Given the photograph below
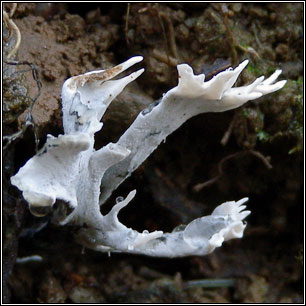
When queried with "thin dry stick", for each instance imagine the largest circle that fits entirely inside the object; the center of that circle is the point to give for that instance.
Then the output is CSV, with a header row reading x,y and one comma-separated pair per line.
x,y
126,28
200,186
250,50
163,57
171,34
12,26
232,40
164,34
230,37
264,159
210,283
13,9
254,30
228,132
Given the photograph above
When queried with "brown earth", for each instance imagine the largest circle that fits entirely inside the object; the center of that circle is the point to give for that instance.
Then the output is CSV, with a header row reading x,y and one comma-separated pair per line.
x,y
63,40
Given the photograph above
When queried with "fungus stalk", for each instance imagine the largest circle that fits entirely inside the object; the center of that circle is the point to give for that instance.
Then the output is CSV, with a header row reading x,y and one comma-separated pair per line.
x,y
70,172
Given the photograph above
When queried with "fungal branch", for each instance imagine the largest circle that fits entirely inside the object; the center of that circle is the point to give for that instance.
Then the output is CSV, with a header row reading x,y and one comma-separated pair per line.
x,y
70,172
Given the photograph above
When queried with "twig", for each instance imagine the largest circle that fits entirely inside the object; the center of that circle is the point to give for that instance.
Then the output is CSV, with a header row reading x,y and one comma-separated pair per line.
x,y
126,27
265,160
11,138
29,259
165,58
209,283
172,42
228,132
254,30
13,9
249,49
200,186
164,33
11,25
230,37
232,40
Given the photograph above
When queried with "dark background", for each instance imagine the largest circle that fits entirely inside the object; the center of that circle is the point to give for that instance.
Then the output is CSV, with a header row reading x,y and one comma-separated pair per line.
x,y
63,40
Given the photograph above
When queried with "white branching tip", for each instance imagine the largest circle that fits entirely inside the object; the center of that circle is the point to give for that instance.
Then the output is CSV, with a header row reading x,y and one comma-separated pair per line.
x,y
130,62
223,224
266,89
145,236
111,219
237,96
252,86
112,88
190,85
218,94
86,97
223,81
133,76
232,209
234,230
104,75
234,212
270,80
120,204
236,72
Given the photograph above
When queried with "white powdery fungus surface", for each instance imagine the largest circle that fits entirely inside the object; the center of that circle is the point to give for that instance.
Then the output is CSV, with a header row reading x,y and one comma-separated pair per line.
x,y
69,172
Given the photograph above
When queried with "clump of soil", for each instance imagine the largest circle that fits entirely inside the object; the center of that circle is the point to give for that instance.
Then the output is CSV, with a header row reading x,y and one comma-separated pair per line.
x,y
254,151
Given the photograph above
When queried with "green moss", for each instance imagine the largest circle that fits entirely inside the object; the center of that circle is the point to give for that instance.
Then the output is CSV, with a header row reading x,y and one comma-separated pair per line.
x,y
286,115
300,256
300,81
245,113
15,99
271,69
296,125
263,136
252,68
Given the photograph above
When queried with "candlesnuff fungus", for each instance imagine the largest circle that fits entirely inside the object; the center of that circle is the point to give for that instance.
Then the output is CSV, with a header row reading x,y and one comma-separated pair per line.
x,y
69,171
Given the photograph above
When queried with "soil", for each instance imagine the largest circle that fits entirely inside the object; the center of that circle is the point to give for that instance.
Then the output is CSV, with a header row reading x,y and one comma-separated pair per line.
x,y
258,147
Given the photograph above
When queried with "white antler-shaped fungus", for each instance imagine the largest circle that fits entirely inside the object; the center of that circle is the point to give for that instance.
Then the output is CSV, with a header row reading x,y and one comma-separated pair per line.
x,y
69,171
